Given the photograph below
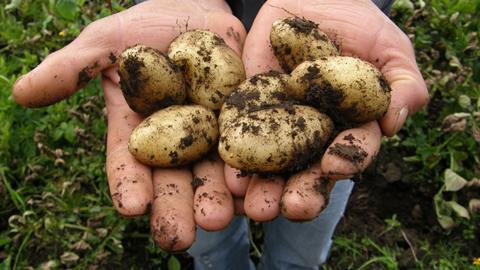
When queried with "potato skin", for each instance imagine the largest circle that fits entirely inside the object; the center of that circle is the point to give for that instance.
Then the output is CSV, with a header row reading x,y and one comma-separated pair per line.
x,y
174,136
347,88
212,69
295,40
274,140
255,93
149,80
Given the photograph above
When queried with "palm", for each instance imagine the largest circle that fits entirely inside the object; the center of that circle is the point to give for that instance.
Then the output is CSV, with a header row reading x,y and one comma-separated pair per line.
x,y
134,187
361,30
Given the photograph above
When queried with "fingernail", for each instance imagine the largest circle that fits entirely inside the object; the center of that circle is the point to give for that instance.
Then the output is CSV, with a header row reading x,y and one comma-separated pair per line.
x,y
401,117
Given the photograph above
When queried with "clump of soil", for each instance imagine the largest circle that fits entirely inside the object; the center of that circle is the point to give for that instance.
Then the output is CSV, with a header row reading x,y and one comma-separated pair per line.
x,y
133,66
353,153
197,182
86,74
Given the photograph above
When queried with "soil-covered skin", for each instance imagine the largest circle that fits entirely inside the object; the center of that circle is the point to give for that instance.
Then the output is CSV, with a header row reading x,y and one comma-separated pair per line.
x,y
197,182
86,74
384,84
353,153
112,57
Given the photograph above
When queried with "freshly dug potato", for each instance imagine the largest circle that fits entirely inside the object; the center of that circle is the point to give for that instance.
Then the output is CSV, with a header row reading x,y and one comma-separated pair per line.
x,y
278,139
212,69
256,93
347,88
174,136
149,80
295,40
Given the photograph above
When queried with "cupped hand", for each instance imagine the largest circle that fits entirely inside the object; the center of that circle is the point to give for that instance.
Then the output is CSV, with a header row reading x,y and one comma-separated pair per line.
x,y
361,30
175,208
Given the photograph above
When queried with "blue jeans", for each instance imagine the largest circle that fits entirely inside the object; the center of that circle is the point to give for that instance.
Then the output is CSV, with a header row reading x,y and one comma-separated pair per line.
x,y
287,245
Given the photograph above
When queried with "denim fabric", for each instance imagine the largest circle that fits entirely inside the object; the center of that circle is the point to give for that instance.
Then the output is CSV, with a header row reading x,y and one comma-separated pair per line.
x,y
226,249
287,245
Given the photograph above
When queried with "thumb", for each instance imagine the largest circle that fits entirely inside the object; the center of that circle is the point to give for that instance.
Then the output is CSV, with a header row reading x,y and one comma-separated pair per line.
x,y
69,69
409,93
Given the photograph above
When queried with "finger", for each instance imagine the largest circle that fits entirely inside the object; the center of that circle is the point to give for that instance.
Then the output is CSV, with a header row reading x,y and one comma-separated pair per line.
x,y
262,201
130,182
213,201
237,182
238,206
409,92
70,68
306,194
352,151
172,222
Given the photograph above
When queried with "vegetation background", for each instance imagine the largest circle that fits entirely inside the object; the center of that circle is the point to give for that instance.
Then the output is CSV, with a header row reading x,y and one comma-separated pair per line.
x,y
417,207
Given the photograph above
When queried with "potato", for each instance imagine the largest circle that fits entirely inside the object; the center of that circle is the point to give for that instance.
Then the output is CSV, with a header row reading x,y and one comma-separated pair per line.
x,y
347,88
257,92
282,138
295,40
174,136
212,69
149,80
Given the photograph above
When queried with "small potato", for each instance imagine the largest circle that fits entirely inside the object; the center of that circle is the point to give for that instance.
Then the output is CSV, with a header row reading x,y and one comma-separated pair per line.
x,y
295,40
149,80
174,136
256,93
347,88
278,139
212,69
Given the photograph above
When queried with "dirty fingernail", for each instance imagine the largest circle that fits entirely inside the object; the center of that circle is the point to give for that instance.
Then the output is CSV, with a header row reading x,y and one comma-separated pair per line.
x,y
402,116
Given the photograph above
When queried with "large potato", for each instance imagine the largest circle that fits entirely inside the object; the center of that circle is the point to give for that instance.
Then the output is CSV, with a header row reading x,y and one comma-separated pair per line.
x,y
256,93
174,136
212,69
347,88
149,80
295,40
277,139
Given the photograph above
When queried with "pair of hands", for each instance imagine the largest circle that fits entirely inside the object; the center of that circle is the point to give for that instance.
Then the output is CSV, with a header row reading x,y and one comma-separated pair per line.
x,y
360,28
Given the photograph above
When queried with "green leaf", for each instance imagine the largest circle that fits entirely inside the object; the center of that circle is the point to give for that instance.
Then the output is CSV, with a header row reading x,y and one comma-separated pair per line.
x,y
464,101
446,222
458,209
453,181
69,257
4,240
6,264
404,5
443,213
474,206
13,4
173,263
67,9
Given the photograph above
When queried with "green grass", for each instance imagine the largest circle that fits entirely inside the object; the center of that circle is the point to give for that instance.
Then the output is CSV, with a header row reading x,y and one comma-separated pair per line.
x,y
55,210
